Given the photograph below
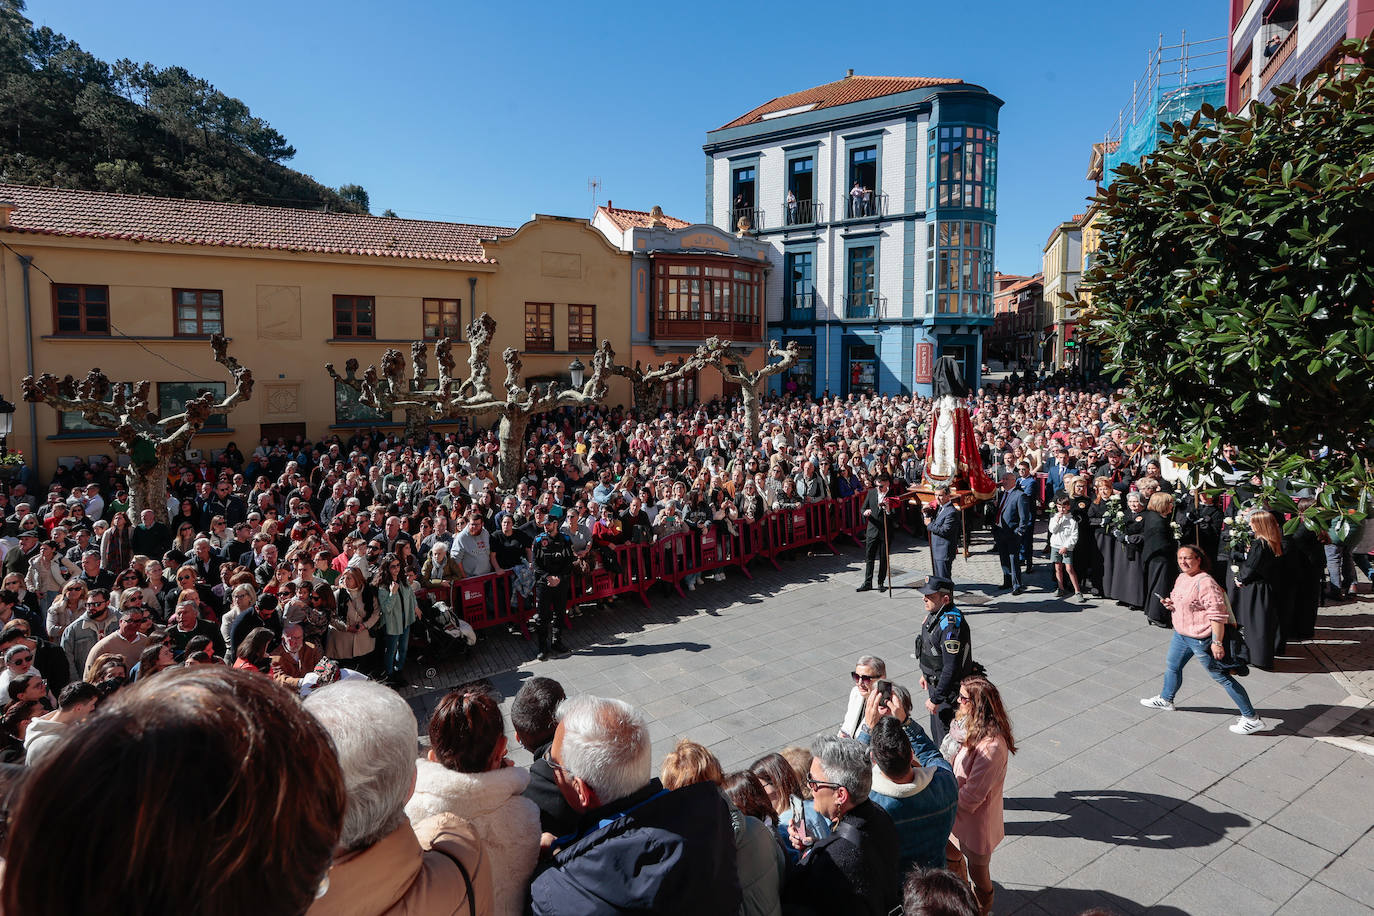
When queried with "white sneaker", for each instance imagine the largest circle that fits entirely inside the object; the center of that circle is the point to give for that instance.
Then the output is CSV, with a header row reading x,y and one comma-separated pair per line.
x,y
1158,703
1082,597
1247,726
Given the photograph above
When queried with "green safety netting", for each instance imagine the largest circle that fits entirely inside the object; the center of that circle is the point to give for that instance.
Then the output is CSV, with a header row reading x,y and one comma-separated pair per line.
x,y
1167,105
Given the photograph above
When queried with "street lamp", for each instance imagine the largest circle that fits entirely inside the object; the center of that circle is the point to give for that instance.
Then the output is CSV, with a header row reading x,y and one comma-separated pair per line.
x,y
6,424
575,369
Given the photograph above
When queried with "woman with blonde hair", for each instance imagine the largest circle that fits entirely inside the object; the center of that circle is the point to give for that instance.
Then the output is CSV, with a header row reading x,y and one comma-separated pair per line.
x,y
1262,600
758,857
985,745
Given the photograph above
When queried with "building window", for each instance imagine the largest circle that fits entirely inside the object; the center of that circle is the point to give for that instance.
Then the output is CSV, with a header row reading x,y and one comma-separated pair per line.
x,y
81,311
355,316
539,326
743,197
197,312
172,398
959,273
348,410
801,378
862,368
863,182
581,327
860,298
681,393
707,297
799,289
801,191
443,318
961,168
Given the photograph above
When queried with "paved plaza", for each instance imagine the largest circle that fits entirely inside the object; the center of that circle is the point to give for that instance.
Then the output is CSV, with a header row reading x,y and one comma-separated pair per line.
x,y
1107,804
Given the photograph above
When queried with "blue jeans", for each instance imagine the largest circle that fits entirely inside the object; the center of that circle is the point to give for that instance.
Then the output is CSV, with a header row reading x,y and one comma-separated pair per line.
x,y
1184,647
394,652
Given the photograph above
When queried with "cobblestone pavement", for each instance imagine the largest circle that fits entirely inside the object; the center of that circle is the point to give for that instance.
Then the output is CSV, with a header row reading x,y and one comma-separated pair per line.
x,y
1107,803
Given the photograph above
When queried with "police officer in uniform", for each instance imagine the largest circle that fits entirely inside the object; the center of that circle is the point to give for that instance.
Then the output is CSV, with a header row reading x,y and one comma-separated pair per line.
x,y
552,555
945,652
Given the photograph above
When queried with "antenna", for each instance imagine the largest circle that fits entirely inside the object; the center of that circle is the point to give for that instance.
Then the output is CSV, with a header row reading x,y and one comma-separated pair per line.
x,y
594,186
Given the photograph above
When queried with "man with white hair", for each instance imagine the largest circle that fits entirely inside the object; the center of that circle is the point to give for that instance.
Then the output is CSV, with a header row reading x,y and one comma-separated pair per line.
x,y
639,848
382,865
854,869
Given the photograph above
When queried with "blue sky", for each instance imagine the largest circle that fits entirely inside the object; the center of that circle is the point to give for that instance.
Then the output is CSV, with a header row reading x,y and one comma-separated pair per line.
x,y
490,112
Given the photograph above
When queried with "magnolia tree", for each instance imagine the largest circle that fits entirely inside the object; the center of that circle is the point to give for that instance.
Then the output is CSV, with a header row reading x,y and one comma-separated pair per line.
x,y
444,398
129,409
1233,290
729,361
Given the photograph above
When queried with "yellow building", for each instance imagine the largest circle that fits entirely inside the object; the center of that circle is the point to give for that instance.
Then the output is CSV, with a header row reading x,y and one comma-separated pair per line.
x,y
1062,266
136,285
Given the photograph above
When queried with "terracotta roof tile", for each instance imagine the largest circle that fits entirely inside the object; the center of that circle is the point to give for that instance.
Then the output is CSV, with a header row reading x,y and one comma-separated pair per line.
x,y
96,214
841,92
638,219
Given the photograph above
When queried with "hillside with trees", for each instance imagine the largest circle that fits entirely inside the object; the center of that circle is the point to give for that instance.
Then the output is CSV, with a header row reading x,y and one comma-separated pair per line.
x,y
71,120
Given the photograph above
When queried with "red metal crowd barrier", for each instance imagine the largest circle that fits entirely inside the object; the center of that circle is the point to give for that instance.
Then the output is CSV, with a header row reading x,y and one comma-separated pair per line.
x,y
849,517
600,583
486,601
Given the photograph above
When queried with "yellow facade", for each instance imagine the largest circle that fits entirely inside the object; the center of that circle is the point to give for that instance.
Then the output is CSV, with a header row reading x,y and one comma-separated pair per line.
x,y
278,311
560,263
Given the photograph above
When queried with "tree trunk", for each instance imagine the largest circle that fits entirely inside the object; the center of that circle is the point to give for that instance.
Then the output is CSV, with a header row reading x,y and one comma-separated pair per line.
x,y
649,396
148,488
417,425
749,395
512,456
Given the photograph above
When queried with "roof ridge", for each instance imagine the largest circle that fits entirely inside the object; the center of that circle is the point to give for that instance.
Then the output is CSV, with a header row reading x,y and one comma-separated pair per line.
x,y
117,195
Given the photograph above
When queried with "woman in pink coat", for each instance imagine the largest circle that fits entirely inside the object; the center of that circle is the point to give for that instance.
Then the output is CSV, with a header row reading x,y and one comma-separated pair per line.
x,y
981,769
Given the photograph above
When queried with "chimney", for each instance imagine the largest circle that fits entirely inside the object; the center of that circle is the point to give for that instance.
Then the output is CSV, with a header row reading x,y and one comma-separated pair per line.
x,y
6,208
610,204
848,73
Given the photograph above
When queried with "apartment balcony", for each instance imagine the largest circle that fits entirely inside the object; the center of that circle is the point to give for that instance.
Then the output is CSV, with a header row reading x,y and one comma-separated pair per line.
x,y
800,307
803,212
1279,57
694,328
866,206
865,305
752,216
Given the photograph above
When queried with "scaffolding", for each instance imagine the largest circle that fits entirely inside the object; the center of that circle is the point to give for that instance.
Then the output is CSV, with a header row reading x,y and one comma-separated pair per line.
x,y
1179,79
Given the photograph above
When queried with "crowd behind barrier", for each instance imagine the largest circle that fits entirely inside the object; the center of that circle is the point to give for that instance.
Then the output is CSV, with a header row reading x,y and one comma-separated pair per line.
x,y
316,564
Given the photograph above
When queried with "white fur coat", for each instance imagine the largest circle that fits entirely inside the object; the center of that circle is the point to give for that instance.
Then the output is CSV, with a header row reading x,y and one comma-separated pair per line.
x,y
507,823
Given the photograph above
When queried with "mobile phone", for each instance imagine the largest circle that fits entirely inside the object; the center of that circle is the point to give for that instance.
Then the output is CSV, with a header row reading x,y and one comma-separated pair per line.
x,y
1160,597
799,818
884,689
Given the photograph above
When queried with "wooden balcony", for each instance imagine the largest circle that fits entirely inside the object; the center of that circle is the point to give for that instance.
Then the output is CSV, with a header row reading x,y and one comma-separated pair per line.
x,y
666,328
1280,55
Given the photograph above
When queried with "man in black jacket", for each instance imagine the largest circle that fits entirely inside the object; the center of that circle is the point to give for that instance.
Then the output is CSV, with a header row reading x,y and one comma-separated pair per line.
x,y
638,848
879,516
552,557
534,716
854,870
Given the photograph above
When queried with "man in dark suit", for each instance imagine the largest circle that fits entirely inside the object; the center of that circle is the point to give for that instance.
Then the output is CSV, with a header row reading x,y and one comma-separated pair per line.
x,y
1011,523
946,528
879,517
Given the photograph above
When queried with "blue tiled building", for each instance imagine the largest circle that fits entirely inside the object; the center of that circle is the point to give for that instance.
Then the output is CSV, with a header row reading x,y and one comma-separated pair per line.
x,y
877,197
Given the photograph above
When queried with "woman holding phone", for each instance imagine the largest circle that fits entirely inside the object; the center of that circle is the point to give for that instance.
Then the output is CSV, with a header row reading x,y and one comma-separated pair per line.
x,y
1199,613
784,793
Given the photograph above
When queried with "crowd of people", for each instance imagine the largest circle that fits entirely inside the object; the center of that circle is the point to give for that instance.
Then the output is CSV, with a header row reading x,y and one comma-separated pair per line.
x,y
306,565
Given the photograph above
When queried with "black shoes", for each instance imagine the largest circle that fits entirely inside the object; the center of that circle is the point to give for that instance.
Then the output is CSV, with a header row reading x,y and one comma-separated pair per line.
x,y
866,587
882,588
558,650
1018,590
1006,583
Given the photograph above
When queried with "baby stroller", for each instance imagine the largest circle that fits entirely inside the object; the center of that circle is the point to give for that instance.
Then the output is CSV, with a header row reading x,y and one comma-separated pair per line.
x,y
439,636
